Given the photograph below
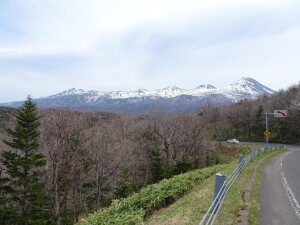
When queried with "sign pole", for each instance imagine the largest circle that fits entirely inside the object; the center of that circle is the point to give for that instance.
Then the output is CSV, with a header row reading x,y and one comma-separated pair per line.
x,y
277,113
267,137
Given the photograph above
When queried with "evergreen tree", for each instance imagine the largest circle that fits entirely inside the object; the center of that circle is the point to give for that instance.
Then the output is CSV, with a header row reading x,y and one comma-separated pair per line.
x,y
259,124
23,194
183,166
157,167
125,185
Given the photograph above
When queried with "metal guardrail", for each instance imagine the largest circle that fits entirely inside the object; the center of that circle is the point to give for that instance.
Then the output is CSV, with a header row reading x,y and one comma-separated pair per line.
x,y
223,184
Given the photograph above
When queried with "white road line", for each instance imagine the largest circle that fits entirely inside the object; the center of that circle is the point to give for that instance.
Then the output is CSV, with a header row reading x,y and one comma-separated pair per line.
x,y
289,193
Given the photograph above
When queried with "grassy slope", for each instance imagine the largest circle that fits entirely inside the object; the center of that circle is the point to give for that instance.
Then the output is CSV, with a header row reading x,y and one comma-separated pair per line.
x,y
188,209
134,208
191,208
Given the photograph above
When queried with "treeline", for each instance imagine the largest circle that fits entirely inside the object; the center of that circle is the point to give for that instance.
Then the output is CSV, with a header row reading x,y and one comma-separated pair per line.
x,y
246,119
92,158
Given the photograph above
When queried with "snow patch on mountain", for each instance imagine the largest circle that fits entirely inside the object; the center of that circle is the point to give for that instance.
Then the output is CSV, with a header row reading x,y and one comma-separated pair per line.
x,y
244,88
171,98
206,87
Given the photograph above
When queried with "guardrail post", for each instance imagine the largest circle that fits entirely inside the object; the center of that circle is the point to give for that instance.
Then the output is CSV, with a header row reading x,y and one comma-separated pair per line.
x,y
266,148
258,152
251,155
219,187
241,162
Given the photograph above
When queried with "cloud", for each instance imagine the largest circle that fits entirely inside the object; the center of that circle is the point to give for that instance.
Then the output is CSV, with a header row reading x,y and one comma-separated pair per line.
x,y
73,25
48,46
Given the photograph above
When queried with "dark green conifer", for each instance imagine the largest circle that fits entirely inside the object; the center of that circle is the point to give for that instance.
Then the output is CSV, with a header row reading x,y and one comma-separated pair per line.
x,y
125,185
157,167
23,195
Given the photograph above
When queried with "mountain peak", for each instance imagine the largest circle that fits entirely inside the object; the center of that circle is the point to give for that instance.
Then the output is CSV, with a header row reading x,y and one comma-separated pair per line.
x,y
169,92
72,91
206,86
248,86
245,80
171,88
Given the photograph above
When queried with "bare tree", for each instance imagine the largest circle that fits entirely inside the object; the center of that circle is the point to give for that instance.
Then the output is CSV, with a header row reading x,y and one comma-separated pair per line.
x,y
65,136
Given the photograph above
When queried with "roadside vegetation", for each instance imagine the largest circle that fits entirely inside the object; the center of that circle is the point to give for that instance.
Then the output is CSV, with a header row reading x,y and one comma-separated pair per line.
x,y
254,208
136,207
191,208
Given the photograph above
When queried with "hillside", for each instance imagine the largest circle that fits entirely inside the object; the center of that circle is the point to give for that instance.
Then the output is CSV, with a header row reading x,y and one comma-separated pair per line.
x,y
93,158
246,119
182,199
99,157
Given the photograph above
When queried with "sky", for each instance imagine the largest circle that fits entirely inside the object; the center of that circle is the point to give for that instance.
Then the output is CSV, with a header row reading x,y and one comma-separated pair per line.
x,y
50,46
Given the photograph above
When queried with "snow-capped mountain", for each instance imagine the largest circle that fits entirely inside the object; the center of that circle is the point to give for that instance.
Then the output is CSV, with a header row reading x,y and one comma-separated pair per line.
x,y
171,98
245,87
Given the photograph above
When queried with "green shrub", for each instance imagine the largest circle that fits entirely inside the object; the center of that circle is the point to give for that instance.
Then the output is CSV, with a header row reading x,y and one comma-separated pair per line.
x,y
133,209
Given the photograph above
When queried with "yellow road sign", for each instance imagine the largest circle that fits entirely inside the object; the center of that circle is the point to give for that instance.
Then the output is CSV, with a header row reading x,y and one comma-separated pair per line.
x,y
267,133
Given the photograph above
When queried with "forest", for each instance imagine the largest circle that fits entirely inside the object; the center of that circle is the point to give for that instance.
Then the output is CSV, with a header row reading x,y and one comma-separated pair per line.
x,y
56,166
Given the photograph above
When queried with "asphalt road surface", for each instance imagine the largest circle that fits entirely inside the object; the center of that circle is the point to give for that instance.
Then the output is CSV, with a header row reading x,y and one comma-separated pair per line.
x,y
280,189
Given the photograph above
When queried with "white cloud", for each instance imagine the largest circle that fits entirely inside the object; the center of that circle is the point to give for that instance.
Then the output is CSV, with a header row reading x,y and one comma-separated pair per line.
x,y
73,25
49,46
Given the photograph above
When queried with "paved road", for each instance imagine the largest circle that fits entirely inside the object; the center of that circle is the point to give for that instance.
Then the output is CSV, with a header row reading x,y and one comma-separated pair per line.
x,y
280,189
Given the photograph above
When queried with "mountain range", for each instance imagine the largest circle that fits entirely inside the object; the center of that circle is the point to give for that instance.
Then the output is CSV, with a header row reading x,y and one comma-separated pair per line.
x,y
172,98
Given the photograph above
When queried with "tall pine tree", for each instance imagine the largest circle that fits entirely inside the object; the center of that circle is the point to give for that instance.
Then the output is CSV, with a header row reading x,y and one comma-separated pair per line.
x,y
24,201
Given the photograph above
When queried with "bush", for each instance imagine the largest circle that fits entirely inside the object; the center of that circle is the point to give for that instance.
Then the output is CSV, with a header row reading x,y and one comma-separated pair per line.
x,y
133,209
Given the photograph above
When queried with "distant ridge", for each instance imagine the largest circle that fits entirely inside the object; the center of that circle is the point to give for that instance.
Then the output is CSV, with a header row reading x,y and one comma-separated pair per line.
x,y
172,98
